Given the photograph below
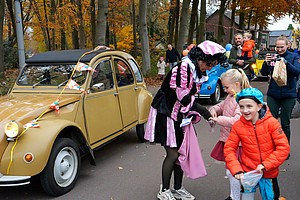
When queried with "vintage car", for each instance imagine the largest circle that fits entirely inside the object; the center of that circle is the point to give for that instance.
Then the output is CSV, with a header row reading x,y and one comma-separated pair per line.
x,y
212,88
64,105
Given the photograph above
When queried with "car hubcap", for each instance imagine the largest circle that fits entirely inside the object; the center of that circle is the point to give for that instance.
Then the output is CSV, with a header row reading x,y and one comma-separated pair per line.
x,y
65,167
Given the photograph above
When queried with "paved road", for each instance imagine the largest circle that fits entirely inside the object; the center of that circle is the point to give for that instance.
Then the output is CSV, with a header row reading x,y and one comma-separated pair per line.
x,y
128,170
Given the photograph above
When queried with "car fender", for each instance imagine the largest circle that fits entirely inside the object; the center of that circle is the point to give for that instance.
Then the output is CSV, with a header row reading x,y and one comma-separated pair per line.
x,y
38,142
144,104
212,82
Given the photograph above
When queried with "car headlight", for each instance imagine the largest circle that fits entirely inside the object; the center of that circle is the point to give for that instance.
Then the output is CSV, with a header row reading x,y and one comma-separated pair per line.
x,y
12,129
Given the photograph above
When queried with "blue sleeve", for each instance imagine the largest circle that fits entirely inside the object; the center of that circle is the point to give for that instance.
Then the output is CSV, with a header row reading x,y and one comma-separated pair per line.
x,y
293,65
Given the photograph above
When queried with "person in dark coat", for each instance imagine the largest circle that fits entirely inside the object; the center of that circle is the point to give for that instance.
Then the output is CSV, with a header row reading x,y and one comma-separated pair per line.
x,y
172,56
281,99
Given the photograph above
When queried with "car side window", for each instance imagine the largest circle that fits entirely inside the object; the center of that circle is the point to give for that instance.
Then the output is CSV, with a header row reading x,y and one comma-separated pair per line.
x,y
102,78
136,71
123,74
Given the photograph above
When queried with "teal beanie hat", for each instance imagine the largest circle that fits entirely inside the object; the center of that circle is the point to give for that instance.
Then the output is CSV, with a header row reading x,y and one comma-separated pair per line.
x,y
251,93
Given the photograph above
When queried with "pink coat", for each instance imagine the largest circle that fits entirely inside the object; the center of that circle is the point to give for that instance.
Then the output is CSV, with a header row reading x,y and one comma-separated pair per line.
x,y
228,112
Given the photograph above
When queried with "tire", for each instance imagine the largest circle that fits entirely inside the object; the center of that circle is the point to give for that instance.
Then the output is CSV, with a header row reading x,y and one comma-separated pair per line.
x,y
62,169
140,132
215,97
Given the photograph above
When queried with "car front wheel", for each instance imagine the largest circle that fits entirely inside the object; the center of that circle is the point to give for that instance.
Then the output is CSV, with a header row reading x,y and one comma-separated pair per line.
x,y
215,97
62,169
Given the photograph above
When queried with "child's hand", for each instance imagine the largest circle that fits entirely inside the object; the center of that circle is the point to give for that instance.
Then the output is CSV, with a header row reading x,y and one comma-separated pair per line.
x,y
239,176
213,113
260,168
213,119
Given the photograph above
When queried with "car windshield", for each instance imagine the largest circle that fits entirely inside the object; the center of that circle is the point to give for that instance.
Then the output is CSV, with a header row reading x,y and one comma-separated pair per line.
x,y
50,75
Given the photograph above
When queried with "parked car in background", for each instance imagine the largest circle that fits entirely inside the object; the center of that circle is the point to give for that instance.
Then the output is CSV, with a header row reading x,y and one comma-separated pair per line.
x,y
212,88
259,62
64,105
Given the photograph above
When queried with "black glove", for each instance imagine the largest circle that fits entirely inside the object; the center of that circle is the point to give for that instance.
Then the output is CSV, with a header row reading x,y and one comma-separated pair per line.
x,y
186,100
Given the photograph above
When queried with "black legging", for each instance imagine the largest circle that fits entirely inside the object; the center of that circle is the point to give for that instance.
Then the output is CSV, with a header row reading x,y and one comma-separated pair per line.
x,y
169,165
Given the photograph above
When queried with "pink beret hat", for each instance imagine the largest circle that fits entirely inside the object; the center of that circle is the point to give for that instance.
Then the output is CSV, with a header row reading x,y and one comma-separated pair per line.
x,y
211,48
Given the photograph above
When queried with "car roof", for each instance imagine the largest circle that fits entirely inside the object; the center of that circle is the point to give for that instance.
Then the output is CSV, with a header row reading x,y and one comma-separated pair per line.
x,y
63,56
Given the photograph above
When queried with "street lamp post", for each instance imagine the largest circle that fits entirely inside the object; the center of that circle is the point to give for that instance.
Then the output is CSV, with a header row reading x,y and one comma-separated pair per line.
x,y
20,35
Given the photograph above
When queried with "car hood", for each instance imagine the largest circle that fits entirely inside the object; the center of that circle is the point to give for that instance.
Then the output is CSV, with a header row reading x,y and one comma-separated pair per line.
x,y
26,107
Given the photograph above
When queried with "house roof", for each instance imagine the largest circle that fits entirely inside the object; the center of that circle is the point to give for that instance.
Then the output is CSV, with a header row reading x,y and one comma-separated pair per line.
x,y
287,33
274,34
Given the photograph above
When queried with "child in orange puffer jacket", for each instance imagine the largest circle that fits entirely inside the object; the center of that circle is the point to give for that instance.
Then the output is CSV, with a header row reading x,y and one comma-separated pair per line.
x,y
264,145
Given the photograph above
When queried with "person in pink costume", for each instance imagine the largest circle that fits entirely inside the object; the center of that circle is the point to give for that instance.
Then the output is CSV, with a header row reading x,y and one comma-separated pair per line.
x,y
172,104
225,114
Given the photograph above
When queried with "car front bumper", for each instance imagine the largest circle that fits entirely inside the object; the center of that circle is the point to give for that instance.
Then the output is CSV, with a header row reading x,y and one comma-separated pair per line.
x,y
14,180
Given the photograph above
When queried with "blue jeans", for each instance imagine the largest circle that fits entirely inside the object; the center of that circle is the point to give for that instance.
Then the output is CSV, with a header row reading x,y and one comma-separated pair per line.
x,y
285,108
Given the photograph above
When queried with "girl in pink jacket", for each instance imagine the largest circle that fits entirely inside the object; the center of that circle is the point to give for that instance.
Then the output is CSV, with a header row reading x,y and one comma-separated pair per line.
x,y
225,114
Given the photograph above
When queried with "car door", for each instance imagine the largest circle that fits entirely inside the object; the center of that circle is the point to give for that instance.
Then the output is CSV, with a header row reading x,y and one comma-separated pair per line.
x,y
101,105
126,91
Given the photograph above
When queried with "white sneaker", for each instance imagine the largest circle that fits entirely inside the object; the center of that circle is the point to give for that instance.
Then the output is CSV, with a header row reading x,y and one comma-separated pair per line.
x,y
182,194
165,195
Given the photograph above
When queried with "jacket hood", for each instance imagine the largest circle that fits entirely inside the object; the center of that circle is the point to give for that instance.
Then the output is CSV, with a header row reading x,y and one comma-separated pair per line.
x,y
26,107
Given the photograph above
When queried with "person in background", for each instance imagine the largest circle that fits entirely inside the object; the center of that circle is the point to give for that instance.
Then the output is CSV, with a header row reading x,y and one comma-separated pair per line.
x,y
235,56
264,145
289,46
161,65
247,50
173,102
172,56
281,99
225,114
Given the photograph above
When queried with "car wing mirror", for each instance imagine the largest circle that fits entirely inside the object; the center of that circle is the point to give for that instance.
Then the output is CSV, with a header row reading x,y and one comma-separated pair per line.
x,y
98,86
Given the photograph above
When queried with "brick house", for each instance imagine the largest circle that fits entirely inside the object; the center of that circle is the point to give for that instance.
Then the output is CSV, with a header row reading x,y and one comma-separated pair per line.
x,y
212,25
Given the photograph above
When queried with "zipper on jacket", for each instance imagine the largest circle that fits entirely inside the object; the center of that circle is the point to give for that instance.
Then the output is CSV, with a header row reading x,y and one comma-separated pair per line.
x,y
254,126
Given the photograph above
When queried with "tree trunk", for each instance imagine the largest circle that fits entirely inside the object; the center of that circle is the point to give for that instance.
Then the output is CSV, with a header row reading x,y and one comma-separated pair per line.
x,y
221,32
177,11
101,22
250,18
12,36
242,19
81,25
2,6
40,19
171,22
48,42
183,24
232,23
52,20
193,19
144,37
62,30
201,26
134,53
93,21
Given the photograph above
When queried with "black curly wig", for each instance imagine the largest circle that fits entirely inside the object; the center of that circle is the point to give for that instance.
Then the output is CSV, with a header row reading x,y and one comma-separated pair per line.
x,y
196,53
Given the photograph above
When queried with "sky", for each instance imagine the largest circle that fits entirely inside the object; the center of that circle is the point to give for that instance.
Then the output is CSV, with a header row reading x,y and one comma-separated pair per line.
x,y
282,24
